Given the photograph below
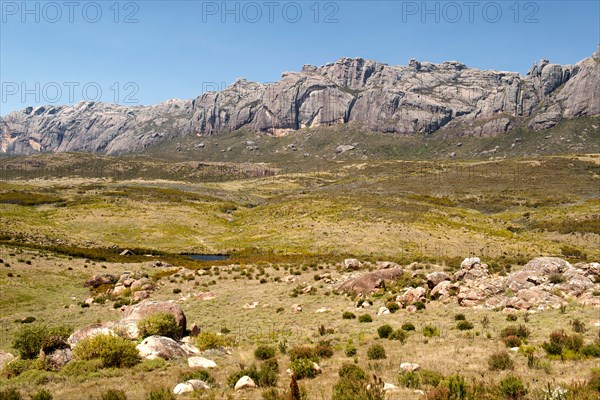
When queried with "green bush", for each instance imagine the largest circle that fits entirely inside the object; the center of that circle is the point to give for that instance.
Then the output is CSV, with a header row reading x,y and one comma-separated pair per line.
x,y
521,331
410,379
348,315
560,342
323,350
511,317
392,306
430,331
365,318
500,361
114,351
302,352
407,326
464,325
161,394
42,394
460,317
10,394
513,388
16,368
264,352
200,374
556,279
113,394
457,387
81,367
376,352
211,340
352,371
303,368
350,350
30,339
160,324
591,350
512,341
384,331
399,335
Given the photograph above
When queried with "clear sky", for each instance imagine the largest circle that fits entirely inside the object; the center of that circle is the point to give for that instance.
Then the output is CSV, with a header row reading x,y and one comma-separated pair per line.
x,y
145,52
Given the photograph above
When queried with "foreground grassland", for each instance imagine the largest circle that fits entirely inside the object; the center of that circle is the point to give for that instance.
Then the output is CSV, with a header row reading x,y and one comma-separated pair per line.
x,y
64,218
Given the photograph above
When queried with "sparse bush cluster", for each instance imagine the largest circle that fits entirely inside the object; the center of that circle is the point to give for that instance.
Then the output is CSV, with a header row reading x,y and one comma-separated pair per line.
x,y
30,339
161,324
114,351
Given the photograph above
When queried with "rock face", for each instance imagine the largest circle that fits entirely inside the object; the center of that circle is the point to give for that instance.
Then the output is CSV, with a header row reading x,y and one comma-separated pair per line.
x,y
419,98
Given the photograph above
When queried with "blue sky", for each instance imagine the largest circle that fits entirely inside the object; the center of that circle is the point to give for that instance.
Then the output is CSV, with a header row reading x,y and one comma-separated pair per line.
x,y
145,52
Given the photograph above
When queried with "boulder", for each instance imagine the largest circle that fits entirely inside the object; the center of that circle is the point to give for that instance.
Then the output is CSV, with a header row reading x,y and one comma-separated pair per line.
x,y
442,290
107,328
383,311
154,347
136,312
245,382
5,358
547,265
201,362
101,279
471,268
194,330
140,295
351,264
386,265
411,296
369,282
435,278
296,307
409,367
190,386
59,358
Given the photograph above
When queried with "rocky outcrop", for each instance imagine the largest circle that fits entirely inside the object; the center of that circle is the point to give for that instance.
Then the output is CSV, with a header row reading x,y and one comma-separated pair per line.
x,y
371,281
136,312
154,347
419,98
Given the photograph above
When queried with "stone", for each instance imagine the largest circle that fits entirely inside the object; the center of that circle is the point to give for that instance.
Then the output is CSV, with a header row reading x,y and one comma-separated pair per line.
x,y
190,386
386,264
296,307
411,296
351,264
435,278
107,328
101,279
201,362
140,295
59,358
343,148
250,306
136,312
194,330
245,382
409,367
154,347
369,282
5,358
383,311
442,290
389,387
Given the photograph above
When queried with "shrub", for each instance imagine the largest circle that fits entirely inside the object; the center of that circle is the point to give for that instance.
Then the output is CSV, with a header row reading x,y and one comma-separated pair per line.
x,y
500,361
201,374
114,351
556,279
303,368
410,379
251,371
460,317
512,341
348,315
591,350
578,326
430,331
560,341
16,368
407,326
81,367
457,387
399,335
511,317
464,325
365,318
42,394
323,350
350,350
161,394
392,306
512,387
211,340
429,377
176,291
161,324
352,371
264,352
521,331
30,339
376,352
303,352
10,394
113,394
384,331
419,305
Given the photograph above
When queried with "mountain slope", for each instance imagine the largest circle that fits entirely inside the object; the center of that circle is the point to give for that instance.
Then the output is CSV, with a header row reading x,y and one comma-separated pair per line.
x,y
420,98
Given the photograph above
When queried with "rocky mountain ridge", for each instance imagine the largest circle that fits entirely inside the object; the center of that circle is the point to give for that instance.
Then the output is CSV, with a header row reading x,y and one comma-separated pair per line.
x,y
420,98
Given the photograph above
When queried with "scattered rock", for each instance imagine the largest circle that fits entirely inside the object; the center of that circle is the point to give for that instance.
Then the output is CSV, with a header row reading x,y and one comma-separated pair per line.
x,y
59,358
351,264
190,386
344,148
411,296
250,306
101,279
435,278
201,362
383,311
245,382
5,358
409,367
296,308
154,347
